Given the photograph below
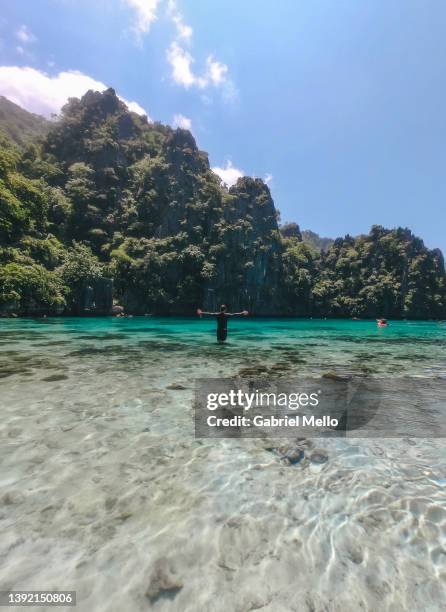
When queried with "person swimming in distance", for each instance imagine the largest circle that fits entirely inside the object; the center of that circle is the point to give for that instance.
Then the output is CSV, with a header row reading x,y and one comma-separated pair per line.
x,y
382,322
222,320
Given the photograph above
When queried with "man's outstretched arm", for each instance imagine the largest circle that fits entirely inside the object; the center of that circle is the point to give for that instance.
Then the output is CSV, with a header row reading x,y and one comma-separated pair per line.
x,y
244,313
201,312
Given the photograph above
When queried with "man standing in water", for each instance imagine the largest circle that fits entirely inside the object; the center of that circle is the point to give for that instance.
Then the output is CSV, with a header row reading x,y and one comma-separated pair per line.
x,y
222,320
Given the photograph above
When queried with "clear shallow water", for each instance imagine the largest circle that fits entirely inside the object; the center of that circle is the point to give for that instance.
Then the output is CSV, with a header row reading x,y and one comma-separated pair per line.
x,y
105,490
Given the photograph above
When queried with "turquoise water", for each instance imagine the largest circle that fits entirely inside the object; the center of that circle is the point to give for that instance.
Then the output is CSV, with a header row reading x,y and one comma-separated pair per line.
x,y
104,489
307,345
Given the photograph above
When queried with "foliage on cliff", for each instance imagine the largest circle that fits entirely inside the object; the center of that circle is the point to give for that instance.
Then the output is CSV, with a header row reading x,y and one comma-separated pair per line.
x,y
107,193
318,242
33,261
20,126
387,271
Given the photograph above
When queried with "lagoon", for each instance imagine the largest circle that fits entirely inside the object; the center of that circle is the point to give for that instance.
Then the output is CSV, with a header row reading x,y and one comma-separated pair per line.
x,y
105,490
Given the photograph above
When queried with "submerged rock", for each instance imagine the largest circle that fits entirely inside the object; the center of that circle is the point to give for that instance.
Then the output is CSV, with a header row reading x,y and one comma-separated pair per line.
x,y
55,377
294,456
253,370
318,456
12,498
290,455
11,370
176,386
298,450
163,582
296,359
280,366
334,376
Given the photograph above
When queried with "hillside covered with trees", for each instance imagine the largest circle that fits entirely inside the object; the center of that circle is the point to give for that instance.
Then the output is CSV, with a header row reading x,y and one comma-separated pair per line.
x,y
19,125
103,193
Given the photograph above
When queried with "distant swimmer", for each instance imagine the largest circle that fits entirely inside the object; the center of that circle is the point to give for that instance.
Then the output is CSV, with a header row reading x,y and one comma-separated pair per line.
x,y
382,322
222,320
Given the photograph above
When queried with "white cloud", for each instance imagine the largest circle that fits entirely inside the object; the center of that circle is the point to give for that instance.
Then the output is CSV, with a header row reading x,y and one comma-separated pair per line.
x,y
145,15
20,50
183,122
181,62
184,31
268,179
183,74
215,73
40,93
229,174
135,107
25,35
180,59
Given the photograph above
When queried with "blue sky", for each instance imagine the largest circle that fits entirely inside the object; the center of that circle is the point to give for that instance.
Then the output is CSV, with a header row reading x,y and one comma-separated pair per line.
x,y
340,104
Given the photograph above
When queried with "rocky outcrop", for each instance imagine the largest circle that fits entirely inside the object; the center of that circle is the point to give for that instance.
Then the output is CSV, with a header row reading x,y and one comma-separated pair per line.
x,y
95,297
291,230
247,264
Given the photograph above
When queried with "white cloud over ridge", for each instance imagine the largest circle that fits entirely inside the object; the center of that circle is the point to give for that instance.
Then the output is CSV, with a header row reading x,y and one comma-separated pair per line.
x,y
134,107
183,122
40,93
229,174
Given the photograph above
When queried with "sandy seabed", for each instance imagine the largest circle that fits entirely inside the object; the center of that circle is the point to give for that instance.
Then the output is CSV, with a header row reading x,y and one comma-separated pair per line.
x,y
104,490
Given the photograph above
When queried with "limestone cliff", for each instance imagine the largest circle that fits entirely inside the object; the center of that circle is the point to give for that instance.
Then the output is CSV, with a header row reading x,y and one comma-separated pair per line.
x,y
106,194
247,253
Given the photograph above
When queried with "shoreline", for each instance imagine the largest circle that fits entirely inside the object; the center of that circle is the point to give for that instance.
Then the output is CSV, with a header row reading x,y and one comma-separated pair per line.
x,y
193,316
